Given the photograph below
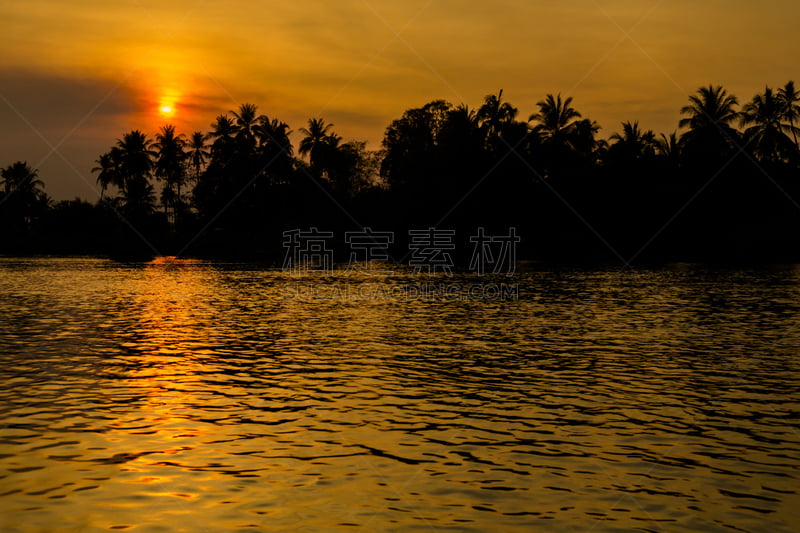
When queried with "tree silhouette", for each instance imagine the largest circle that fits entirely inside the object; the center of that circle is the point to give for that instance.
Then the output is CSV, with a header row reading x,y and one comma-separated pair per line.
x,y
555,126
246,118
222,131
446,165
765,136
215,184
582,139
345,171
462,146
790,107
633,143
135,166
275,149
711,137
319,144
197,153
555,118
495,117
170,167
410,144
135,156
23,197
669,149
108,170
461,119
273,134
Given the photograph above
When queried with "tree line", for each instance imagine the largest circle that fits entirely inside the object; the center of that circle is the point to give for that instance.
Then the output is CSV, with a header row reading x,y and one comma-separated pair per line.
x,y
725,184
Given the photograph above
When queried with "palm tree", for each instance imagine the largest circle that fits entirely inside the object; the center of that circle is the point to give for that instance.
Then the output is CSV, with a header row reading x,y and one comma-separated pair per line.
x,y
633,142
20,179
275,148
555,117
273,133
135,156
109,171
461,135
494,114
222,131
246,119
669,145
23,191
582,138
790,102
559,135
135,166
197,153
329,157
317,143
169,166
461,150
462,117
711,113
710,107
766,132
669,148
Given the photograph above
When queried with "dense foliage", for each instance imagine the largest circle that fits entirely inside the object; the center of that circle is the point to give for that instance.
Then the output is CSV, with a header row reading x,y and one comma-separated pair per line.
x,y
726,185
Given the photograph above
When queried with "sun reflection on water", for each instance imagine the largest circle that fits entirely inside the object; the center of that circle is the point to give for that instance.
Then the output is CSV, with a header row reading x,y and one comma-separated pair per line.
x,y
204,397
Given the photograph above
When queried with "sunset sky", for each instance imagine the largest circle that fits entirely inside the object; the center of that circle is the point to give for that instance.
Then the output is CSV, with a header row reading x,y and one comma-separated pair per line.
x,y
76,74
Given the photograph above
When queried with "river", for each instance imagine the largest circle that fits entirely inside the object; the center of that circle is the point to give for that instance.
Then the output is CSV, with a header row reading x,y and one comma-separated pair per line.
x,y
185,395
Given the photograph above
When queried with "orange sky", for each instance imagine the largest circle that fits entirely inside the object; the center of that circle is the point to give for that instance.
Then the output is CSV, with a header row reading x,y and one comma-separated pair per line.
x,y
76,74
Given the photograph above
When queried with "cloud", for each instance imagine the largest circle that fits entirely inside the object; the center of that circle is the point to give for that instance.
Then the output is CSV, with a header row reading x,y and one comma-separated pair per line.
x,y
55,102
50,118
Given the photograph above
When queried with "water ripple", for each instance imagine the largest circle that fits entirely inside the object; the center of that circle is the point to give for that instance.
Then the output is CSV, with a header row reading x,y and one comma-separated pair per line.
x,y
204,396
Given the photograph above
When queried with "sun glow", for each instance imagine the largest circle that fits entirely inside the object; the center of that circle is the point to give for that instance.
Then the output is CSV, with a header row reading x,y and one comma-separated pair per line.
x,y
167,109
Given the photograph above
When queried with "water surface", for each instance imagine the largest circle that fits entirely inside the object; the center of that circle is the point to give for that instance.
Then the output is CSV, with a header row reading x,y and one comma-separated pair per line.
x,y
195,396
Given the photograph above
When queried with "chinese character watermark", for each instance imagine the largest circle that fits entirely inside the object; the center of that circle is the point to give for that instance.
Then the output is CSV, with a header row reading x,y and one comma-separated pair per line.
x,y
430,250
497,251
368,247
307,250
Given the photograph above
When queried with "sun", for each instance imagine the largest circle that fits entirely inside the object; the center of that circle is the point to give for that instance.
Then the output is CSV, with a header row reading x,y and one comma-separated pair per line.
x,y
167,109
